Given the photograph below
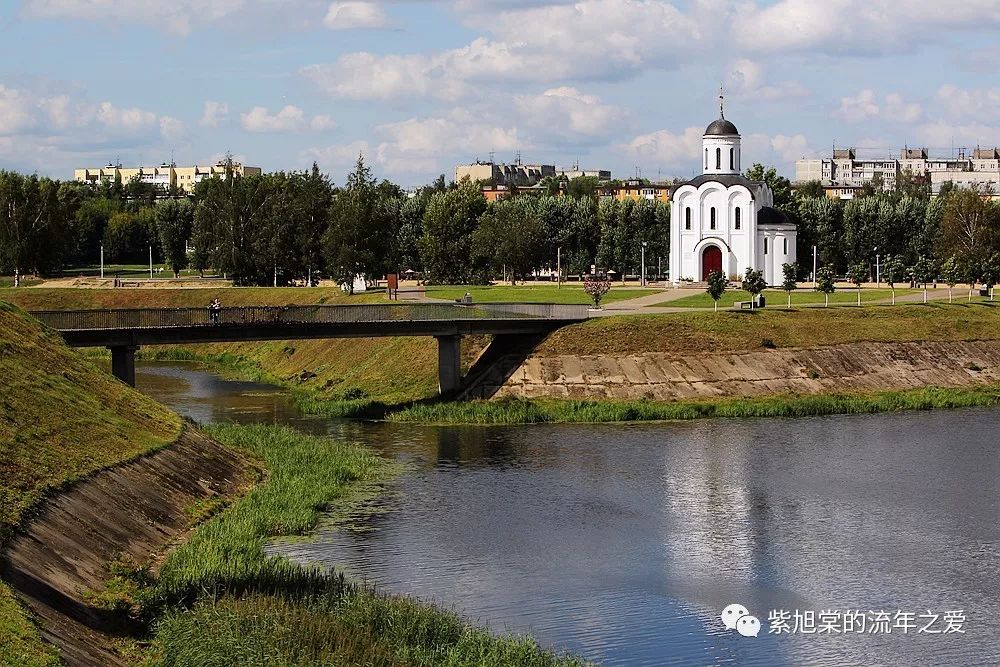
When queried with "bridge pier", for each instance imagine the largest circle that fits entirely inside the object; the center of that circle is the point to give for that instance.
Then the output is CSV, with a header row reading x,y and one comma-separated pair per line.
x,y
449,364
123,363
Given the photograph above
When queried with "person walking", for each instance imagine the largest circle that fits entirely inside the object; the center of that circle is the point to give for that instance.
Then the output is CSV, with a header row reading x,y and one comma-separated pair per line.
x,y
215,311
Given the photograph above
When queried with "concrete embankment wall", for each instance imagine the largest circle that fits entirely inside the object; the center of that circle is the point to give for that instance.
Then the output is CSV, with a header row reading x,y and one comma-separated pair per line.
x,y
658,376
135,511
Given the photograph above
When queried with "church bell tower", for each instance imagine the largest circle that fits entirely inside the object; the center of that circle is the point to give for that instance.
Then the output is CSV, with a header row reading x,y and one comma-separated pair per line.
x,y
721,144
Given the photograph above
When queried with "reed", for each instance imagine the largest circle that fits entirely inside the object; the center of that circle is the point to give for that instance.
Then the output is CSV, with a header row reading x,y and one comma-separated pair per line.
x,y
222,600
520,411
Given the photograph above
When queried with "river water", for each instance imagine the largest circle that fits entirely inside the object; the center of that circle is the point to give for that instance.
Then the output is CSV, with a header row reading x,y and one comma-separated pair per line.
x,y
623,543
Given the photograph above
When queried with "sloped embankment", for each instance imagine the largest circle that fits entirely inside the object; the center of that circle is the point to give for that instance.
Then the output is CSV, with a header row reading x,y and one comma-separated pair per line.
x,y
62,421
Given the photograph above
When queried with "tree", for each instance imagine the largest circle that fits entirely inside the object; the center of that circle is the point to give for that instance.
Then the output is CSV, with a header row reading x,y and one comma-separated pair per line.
x,y
821,224
754,283
858,274
991,272
825,283
781,187
596,288
582,186
510,235
174,221
717,283
32,230
446,244
788,283
922,272
968,226
895,270
129,236
951,272
811,189
314,194
364,221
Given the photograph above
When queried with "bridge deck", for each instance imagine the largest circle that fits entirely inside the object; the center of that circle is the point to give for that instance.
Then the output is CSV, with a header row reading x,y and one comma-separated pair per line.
x,y
149,326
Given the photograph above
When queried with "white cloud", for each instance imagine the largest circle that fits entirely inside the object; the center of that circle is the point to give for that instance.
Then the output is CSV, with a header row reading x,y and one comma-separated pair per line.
x,y
15,111
979,104
352,15
125,119
857,26
568,112
747,80
214,113
866,106
322,123
170,128
665,148
946,133
780,150
258,119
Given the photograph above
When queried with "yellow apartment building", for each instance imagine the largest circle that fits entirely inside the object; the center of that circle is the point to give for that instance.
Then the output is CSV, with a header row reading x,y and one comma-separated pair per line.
x,y
165,175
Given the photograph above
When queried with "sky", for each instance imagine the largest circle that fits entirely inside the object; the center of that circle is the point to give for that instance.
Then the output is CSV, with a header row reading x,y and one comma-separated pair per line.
x,y
418,87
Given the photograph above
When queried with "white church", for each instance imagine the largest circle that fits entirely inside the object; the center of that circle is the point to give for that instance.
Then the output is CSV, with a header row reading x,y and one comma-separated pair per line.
x,y
722,221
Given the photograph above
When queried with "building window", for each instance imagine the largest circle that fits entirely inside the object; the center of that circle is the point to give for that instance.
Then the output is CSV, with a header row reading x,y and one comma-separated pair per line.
x,y
687,218
718,158
737,223
706,158
785,245
765,245
711,224
732,159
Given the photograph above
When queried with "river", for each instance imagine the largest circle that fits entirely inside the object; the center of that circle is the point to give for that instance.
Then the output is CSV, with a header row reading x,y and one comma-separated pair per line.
x,y
623,543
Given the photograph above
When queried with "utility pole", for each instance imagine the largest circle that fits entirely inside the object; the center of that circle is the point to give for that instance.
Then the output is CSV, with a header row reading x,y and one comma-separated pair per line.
x,y
814,267
643,281
102,260
559,267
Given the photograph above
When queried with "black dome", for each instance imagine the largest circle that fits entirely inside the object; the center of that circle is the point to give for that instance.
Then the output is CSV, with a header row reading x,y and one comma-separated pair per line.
x,y
721,127
771,216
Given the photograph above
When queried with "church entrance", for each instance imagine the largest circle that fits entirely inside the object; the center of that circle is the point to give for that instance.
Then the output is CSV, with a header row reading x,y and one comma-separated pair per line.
x,y
711,260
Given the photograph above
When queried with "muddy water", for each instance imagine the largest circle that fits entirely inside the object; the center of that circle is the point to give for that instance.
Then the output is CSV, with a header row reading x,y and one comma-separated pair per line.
x,y
623,543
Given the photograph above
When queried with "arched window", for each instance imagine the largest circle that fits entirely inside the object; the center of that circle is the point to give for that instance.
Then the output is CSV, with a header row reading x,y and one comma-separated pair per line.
x,y
785,244
765,245
718,158
732,159
706,158
687,218
737,222
711,223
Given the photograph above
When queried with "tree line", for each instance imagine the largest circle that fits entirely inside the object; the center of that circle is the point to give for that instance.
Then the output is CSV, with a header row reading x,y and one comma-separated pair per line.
x,y
287,227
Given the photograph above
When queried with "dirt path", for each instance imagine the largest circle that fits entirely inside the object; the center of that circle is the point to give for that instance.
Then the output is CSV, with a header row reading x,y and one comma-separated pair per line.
x,y
135,510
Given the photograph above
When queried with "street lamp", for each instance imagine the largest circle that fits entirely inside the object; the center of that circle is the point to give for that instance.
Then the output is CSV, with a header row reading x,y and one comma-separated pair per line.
x,y
643,263
559,267
878,271
102,260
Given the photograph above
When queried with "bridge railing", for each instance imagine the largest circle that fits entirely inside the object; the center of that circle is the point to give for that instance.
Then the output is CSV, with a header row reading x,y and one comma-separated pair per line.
x,y
157,318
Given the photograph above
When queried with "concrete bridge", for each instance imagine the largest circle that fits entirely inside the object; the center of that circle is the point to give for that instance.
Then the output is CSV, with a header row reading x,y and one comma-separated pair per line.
x,y
123,331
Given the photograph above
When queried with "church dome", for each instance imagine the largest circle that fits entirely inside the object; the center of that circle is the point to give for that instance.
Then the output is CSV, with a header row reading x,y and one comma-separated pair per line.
x,y
721,128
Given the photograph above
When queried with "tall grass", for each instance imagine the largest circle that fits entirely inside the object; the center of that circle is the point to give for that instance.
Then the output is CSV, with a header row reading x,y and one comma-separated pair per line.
x,y
520,411
223,601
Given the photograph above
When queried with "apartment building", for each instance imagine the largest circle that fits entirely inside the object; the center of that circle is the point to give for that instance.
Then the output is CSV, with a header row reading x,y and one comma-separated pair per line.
x,y
636,190
165,176
522,175
843,174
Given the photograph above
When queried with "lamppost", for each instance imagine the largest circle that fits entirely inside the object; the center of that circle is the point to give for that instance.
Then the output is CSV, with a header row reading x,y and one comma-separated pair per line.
x,y
814,267
643,263
102,260
878,271
150,261
559,267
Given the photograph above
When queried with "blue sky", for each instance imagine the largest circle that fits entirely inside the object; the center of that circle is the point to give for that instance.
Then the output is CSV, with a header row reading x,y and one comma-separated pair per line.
x,y
418,87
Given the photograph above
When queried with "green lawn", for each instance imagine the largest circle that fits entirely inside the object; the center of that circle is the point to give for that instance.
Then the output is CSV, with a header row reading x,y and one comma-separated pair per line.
x,y
125,271
568,293
779,298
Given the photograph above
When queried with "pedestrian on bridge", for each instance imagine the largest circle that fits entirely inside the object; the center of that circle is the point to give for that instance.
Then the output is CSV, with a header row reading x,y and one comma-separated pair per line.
x,y
215,311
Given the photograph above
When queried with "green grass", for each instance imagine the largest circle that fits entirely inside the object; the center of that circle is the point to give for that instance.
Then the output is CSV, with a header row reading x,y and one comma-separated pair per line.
x,y
68,298
569,293
8,281
778,298
229,603
517,411
739,331
61,419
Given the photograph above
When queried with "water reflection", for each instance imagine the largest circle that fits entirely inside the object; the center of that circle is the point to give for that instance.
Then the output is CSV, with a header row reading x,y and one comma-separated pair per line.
x,y
623,542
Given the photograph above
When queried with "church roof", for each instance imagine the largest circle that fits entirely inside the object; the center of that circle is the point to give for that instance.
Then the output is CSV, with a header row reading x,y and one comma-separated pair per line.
x,y
768,215
721,127
728,180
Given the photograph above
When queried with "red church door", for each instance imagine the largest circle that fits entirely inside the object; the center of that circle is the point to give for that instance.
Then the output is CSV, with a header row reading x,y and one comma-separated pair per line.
x,y
711,260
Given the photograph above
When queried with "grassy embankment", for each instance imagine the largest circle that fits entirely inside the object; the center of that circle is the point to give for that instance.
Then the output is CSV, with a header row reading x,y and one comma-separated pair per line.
x,y
698,332
227,602
61,419
569,293
800,297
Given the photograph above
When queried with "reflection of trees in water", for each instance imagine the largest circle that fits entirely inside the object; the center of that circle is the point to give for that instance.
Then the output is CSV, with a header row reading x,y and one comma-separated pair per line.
x,y
457,445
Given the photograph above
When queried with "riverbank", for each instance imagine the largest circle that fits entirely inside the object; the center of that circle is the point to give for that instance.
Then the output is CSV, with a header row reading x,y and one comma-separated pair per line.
x,y
62,419
252,604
